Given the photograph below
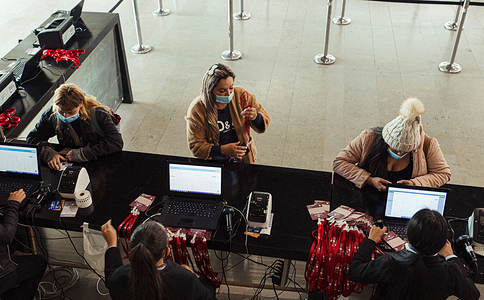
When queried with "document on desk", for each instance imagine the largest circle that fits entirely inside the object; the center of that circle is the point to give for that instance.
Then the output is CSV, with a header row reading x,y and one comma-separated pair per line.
x,y
318,210
69,210
257,231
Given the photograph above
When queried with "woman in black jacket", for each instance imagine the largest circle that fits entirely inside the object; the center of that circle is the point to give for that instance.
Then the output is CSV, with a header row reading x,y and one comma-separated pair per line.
x,y
426,269
19,274
149,276
84,128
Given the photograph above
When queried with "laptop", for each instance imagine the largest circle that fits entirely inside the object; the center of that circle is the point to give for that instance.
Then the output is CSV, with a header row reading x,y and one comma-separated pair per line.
x,y
19,169
195,195
76,12
24,69
403,202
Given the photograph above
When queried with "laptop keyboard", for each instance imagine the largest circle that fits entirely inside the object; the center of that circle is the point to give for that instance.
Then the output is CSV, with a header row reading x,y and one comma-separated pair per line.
x,y
400,230
8,187
189,208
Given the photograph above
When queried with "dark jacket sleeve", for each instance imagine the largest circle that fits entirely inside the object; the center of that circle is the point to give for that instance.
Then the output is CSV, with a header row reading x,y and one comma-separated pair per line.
x,y
362,268
112,261
464,287
40,135
111,142
8,228
117,275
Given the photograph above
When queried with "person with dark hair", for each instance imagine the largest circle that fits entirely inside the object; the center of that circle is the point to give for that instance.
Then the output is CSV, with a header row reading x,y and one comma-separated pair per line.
x,y
20,274
219,120
83,126
149,276
426,269
400,152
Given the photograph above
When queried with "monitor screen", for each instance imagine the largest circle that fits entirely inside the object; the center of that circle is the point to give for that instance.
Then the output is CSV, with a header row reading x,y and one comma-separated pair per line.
x,y
19,159
195,179
405,202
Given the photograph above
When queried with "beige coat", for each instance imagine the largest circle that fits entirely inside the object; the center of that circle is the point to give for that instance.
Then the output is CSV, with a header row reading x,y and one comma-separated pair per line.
x,y
200,140
429,169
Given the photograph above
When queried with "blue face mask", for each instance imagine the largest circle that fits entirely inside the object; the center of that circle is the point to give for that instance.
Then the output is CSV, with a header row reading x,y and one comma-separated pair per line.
x,y
395,155
224,99
68,119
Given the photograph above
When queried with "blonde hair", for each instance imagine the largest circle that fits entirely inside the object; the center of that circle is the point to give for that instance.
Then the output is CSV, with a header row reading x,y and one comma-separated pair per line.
x,y
69,96
210,80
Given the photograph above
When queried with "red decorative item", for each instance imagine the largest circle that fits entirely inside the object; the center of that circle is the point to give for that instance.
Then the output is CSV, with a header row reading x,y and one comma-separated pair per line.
x,y
335,244
66,55
7,118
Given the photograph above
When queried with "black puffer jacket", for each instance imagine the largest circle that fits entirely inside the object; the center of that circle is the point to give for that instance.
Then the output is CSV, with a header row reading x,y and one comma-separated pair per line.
x,y
90,143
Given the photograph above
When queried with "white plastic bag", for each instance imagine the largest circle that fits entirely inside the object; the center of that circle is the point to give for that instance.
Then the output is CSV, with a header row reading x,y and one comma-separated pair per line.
x,y
94,248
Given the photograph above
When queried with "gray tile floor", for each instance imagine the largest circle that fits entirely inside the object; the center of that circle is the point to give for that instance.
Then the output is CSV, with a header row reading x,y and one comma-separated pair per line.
x,y
389,52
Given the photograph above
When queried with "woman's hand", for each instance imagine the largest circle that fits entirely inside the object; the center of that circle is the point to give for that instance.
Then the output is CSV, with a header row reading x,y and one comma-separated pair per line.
x,y
234,150
64,151
18,196
446,250
109,234
407,182
55,162
376,233
69,155
378,183
250,113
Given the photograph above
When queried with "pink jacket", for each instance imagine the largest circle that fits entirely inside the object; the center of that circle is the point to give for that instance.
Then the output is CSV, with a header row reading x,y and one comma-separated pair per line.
x,y
429,169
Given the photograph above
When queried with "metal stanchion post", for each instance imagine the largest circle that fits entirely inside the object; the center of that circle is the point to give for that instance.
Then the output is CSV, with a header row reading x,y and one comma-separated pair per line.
x,y
231,54
452,25
325,58
342,20
242,15
160,12
140,48
450,66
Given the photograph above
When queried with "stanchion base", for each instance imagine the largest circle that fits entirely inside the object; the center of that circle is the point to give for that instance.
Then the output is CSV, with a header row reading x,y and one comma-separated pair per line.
x,y
234,55
141,49
242,16
449,68
324,59
161,12
452,26
341,21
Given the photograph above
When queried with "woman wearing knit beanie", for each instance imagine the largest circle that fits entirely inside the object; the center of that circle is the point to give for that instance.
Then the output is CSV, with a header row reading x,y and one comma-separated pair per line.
x,y
400,152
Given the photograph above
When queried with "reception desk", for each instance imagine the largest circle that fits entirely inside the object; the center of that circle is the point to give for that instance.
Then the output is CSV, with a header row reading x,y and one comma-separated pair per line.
x,y
103,73
120,178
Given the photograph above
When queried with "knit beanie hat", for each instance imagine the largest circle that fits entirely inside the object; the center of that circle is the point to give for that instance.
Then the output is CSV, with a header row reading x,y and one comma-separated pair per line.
x,y
403,132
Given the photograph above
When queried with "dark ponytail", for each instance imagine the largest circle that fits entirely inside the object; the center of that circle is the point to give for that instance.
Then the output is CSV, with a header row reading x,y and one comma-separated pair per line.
x,y
148,245
376,162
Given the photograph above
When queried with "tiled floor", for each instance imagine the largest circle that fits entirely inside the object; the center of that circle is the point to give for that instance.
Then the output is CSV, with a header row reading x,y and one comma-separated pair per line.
x,y
389,52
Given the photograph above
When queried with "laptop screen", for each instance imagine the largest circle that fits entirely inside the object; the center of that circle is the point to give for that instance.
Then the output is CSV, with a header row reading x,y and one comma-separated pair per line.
x,y
198,179
405,202
19,159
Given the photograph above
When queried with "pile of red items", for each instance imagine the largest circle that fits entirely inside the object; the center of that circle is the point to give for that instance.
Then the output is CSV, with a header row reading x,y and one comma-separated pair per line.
x,y
65,55
200,254
335,244
7,118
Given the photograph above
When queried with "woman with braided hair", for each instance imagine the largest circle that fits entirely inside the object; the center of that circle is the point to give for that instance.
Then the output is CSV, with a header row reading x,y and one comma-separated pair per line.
x,y
219,120
149,276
